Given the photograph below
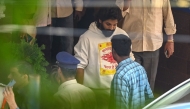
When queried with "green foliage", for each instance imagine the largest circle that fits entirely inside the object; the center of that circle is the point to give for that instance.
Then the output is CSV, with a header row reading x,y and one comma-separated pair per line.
x,y
31,54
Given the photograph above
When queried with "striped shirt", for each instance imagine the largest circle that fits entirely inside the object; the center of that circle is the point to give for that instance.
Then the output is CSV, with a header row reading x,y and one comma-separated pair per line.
x,y
130,88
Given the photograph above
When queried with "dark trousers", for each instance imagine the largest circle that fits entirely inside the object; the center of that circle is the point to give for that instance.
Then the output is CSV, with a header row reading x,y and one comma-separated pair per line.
x,y
43,38
149,60
62,35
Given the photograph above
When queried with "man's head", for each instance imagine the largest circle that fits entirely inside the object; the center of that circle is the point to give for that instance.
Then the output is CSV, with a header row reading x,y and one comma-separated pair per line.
x,y
67,65
20,72
107,19
121,47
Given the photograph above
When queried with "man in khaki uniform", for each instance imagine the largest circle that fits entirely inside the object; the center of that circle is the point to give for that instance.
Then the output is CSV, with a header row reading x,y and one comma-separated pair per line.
x,y
70,94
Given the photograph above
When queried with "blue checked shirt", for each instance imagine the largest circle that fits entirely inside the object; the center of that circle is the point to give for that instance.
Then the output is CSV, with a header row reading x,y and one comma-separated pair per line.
x,y
130,88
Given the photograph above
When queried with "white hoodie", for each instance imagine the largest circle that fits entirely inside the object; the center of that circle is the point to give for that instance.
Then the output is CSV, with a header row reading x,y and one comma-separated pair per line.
x,y
94,52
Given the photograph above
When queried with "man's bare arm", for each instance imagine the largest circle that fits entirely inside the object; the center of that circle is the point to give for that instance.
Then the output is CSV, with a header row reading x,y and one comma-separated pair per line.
x,y
80,75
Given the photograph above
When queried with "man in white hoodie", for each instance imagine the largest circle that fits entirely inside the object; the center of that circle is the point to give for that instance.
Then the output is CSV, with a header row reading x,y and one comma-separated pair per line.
x,y
94,51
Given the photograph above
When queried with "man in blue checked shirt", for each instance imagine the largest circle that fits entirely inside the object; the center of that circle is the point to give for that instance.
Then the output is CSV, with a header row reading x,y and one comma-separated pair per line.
x,y
130,88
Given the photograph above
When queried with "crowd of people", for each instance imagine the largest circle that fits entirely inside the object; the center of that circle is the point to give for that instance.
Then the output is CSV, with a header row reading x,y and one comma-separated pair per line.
x,y
106,52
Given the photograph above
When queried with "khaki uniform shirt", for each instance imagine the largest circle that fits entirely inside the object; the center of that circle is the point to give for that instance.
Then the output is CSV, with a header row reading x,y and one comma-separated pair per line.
x,y
144,21
72,95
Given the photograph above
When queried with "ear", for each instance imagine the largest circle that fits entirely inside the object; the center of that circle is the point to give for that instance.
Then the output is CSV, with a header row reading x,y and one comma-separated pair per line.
x,y
59,71
60,74
113,51
25,76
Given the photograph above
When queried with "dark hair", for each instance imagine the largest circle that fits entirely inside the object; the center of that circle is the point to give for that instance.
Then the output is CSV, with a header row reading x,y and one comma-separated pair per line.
x,y
106,13
121,44
23,67
68,72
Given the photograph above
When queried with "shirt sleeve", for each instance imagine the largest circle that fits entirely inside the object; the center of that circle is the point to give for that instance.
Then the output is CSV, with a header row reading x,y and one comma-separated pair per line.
x,y
148,91
81,52
170,27
78,5
120,4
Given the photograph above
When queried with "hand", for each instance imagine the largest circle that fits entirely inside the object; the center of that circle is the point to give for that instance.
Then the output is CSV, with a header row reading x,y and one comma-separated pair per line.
x,y
78,15
28,38
9,97
169,47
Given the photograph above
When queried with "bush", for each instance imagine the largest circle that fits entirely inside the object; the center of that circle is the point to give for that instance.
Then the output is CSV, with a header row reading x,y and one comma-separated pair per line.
x,y
33,54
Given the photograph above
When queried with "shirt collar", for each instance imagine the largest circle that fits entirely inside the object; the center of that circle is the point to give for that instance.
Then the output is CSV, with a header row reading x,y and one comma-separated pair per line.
x,y
67,83
126,61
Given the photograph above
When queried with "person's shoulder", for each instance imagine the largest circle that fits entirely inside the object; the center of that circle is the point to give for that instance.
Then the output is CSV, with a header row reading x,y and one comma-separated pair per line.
x,y
139,67
120,31
61,90
128,66
84,88
88,35
62,94
136,64
58,93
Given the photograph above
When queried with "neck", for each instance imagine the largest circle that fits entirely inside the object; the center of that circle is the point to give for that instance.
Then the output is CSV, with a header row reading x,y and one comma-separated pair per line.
x,y
67,79
22,85
122,58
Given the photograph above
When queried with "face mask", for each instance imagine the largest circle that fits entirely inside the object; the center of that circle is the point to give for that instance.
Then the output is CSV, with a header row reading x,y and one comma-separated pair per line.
x,y
106,32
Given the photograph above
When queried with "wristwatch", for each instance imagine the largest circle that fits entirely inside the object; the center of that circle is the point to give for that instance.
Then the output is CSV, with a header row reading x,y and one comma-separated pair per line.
x,y
170,41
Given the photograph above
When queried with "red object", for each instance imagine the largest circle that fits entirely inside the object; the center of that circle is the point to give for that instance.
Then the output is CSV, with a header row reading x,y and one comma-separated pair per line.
x,y
3,104
108,57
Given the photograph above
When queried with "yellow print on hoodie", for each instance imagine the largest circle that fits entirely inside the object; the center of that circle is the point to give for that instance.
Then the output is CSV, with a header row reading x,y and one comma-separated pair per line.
x,y
107,63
